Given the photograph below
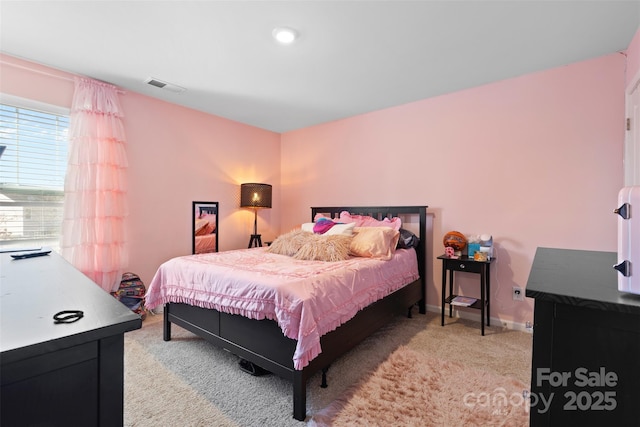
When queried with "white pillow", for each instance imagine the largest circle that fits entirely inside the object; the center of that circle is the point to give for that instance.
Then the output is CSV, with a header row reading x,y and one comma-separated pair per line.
x,y
342,229
307,226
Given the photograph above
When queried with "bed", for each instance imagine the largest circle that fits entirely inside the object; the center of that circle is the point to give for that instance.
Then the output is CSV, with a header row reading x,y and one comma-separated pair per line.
x,y
273,344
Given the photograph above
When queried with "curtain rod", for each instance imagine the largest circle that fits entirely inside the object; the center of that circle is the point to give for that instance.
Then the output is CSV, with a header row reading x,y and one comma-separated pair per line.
x,y
45,73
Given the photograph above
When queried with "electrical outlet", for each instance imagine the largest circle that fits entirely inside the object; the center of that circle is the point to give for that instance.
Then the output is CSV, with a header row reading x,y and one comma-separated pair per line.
x,y
518,295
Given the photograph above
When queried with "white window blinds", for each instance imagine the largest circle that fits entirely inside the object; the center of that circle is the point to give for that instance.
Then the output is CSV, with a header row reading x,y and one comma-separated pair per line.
x,y
32,170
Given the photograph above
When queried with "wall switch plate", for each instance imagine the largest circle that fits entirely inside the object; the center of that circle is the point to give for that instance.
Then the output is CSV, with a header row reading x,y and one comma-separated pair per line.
x,y
518,295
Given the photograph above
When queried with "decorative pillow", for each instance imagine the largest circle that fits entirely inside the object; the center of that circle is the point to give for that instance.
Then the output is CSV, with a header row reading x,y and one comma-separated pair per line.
x,y
369,221
407,240
321,216
374,242
307,226
344,229
320,247
323,225
289,243
304,245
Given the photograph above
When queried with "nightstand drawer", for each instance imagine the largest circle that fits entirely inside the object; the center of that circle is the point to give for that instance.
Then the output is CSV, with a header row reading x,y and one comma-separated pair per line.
x,y
462,265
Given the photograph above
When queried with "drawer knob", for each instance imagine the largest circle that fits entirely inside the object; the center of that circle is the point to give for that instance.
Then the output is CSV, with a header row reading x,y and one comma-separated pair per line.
x,y
461,265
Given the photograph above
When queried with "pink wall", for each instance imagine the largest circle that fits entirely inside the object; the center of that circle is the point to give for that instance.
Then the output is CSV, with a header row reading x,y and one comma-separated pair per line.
x,y
534,161
176,155
633,61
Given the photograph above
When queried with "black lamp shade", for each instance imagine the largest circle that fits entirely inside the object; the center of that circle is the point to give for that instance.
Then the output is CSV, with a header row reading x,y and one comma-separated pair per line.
x,y
254,195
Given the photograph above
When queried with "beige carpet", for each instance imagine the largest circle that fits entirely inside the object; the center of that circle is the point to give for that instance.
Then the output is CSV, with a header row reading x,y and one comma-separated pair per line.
x,y
411,389
154,396
421,370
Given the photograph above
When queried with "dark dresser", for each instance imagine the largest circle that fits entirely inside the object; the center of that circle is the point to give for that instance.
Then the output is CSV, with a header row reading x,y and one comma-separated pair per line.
x,y
586,342
59,374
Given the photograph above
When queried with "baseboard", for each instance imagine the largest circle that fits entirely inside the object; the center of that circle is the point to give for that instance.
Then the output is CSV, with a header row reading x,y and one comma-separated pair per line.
x,y
470,315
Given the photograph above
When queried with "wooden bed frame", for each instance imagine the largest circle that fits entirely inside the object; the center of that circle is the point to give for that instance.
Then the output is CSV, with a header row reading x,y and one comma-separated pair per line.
x,y
261,342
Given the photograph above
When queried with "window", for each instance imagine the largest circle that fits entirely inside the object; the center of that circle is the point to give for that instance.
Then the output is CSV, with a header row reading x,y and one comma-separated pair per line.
x,y
32,169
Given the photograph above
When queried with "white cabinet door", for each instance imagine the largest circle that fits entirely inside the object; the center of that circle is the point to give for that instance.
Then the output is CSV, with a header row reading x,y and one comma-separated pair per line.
x,y
632,140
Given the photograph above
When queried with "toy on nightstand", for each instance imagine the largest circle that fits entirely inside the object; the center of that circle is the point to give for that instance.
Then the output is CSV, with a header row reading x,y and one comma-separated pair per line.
x,y
450,252
455,240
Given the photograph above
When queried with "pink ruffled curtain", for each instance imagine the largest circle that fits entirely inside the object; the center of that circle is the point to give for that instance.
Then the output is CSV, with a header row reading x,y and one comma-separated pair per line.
x,y
93,231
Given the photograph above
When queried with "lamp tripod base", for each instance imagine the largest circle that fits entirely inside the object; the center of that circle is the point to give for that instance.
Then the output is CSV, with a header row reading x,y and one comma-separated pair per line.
x,y
255,240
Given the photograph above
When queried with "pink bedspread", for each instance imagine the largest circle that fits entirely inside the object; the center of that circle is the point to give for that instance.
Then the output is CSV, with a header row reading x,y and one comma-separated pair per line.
x,y
306,298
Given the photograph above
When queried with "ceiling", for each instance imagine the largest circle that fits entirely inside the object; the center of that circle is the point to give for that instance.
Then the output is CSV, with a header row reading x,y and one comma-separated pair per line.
x,y
352,57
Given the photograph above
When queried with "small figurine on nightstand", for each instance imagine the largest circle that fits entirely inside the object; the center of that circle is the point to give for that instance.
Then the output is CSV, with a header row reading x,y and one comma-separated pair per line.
x,y
450,252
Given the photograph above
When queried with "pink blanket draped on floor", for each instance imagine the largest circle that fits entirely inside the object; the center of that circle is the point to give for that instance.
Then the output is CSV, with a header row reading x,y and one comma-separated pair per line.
x,y
306,298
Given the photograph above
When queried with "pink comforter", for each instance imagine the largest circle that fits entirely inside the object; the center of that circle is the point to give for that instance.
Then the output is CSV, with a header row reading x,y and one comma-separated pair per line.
x,y
306,298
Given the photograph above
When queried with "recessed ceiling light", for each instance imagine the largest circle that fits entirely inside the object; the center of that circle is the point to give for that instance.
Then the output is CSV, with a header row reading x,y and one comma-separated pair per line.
x,y
285,35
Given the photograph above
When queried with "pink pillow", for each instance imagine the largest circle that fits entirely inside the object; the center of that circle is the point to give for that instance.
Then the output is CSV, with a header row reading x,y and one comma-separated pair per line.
x,y
319,215
368,221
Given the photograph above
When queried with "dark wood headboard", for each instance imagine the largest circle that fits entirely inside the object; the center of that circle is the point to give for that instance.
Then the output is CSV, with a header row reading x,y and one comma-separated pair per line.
x,y
380,212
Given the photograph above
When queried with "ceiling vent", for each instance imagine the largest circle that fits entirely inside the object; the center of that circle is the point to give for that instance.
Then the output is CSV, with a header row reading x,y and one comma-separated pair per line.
x,y
164,85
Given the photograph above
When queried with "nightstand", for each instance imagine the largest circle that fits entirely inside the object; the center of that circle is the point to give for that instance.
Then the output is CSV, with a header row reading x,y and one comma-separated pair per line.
x,y
467,265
